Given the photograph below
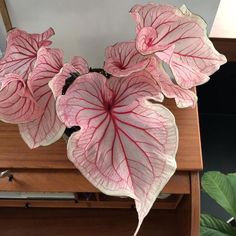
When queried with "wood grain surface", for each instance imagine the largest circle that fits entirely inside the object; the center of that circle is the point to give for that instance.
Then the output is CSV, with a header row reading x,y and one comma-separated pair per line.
x,y
92,222
14,153
195,204
73,181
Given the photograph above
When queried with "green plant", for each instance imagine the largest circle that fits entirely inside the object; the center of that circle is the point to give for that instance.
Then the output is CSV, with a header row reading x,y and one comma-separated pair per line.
x,y
222,188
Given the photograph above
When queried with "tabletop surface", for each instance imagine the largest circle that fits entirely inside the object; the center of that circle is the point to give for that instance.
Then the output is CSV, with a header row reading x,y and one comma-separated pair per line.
x,y
14,153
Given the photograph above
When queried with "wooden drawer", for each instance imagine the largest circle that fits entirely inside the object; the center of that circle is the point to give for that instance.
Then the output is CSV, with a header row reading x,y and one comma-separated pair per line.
x,y
92,222
97,201
72,181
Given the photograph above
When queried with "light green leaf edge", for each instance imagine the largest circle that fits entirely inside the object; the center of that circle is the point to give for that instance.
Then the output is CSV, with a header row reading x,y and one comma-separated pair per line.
x,y
211,226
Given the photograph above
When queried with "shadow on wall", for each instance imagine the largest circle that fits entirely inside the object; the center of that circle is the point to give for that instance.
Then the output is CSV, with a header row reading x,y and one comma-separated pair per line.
x,y
2,37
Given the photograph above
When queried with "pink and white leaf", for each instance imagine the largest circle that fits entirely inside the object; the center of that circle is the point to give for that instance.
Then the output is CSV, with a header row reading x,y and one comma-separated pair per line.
x,y
16,102
134,86
152,15
146,39
78,64
163,27
125,147
90,92
47,128
57,83
43,131
122,59
42,39
183,97
21,51
154,21
193,62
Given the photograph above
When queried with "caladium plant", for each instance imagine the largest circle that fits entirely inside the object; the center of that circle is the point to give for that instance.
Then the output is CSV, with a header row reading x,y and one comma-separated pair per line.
x,y
179,38
25,97
125,141
124,59
167,34
127,144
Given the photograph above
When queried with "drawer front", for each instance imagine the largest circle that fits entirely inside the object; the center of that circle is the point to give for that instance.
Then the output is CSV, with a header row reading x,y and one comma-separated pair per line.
x,y
72,181
168,203
14,153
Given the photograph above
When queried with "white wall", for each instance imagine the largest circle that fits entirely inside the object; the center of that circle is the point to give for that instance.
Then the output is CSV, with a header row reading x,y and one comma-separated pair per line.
x,y
86,27
225,20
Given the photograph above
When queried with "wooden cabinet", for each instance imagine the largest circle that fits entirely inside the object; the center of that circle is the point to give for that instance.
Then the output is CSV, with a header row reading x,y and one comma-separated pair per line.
x,y
47,169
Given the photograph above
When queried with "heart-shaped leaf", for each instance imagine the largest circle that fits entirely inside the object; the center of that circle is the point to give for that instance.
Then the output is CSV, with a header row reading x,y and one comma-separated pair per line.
x,y
21,51
47,128
16,102
179,38
211,226
127,144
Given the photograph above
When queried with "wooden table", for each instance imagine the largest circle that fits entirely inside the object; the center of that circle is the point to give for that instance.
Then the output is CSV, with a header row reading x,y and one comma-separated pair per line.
x,y
46,169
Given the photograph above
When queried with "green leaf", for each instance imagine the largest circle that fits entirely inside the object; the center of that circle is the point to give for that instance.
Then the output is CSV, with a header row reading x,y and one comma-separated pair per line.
x,y
211,226
232,180
220,187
